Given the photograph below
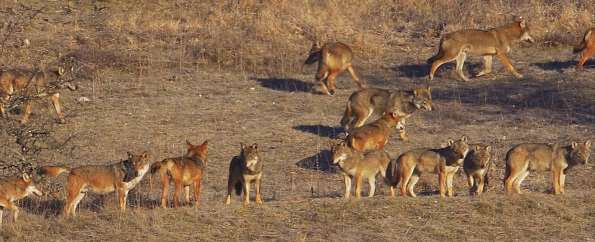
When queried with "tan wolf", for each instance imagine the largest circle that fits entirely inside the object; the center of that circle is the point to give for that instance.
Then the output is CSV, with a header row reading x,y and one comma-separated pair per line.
x,y
13,189
586,48
443,161
364,103
333,58
487,43
375,135
29,84
185,171
355,165
476,166
523,158
120,177
244,170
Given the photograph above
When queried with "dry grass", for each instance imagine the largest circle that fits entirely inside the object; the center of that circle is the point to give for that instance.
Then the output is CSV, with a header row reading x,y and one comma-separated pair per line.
x,y
230,71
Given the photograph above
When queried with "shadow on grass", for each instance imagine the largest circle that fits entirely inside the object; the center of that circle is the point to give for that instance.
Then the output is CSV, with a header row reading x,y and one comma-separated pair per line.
x,y
285,84
555,65
318,162
567,99
412,70
320,130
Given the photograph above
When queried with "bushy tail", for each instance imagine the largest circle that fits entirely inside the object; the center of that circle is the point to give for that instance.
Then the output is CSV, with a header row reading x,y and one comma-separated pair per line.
x,y
392,173
347,115
156,166
438,55
486,179
506,170
313,58
238,188
52,171
583,43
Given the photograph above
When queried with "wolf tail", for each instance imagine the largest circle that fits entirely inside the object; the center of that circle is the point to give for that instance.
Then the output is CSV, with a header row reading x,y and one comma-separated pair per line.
x,y
392,173
438,55
238,188
156,166
583,43
52,171
346,116
313,57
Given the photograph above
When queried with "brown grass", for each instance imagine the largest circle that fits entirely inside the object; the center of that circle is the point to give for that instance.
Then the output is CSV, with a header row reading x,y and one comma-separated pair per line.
x,y
230,71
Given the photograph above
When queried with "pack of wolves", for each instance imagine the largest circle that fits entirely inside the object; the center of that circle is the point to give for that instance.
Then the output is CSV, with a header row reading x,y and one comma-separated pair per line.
x,y
360,155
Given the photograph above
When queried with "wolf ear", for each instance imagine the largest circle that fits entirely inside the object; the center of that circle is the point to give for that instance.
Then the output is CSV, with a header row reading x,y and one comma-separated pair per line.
x,y
204,146
449,142
464,138
414,92
429,89
130,155
573,145
242,146
26,177
144,155
394,114
255,146
488,148
588,143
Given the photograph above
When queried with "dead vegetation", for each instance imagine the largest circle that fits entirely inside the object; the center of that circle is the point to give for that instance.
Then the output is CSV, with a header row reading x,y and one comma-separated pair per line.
x,y
231,71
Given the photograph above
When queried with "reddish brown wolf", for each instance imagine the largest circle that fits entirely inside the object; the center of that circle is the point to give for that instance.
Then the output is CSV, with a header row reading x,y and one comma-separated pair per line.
x,y
486,43
13,189
586,48
185,171
333,58
523,158
120,177
375,135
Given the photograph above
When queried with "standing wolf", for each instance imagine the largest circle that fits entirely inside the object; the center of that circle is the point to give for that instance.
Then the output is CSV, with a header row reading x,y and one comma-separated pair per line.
x,y
244,170
356,166
523,158
13,189
477,166
442,161
119,177
184,171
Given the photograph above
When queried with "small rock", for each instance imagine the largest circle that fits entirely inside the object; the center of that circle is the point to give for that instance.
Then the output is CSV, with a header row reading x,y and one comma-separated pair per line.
x,y
83,99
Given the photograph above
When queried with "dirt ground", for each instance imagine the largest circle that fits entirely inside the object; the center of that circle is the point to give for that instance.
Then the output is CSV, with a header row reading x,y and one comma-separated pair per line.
x,y
157,107
301,191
